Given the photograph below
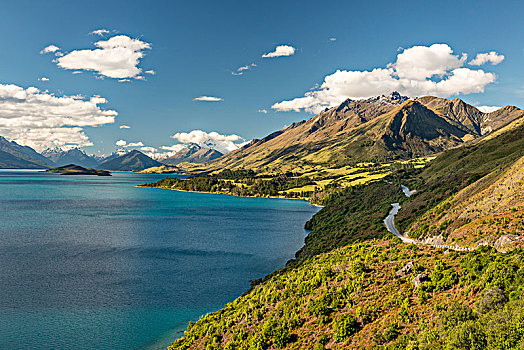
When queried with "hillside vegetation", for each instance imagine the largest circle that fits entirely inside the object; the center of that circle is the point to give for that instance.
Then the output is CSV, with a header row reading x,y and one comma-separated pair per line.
x,y
353,297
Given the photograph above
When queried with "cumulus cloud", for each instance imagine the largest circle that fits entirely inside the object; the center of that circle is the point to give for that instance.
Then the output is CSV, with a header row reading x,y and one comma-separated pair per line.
x,y
222,143
208,99
151,71
117,57
125,127
483,58
41,119
488,109
262,111
100,32
43,79
419,70
332,39
121,143
280,50
48,49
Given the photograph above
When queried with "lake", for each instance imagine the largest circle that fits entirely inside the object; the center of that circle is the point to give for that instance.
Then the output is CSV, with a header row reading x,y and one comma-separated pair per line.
x,y
91,262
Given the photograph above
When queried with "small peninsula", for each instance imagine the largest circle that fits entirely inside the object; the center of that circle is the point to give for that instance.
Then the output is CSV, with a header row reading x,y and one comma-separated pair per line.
x,y
73,169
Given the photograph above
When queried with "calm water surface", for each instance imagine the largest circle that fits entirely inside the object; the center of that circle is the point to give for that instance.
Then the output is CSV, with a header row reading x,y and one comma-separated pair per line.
x,y
97,263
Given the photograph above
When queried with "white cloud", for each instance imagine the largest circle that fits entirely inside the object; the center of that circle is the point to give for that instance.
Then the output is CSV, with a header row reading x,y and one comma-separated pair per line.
x,y
41,119
418,70
483,58
117,57
148,149
43,79
332,39
222,143
173,148
151,71
100,32
240,70
422,62
208,99
125,127
280,50
124,143
262,111
488,109
48,49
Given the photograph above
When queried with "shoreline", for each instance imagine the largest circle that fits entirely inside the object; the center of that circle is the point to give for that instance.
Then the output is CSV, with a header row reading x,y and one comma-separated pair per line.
x,y
232,195
180,332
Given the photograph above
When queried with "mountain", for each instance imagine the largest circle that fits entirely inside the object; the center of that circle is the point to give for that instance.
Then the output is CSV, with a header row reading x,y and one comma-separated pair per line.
x,y
62,157
132,161
377,129
192,153
469,118
13,155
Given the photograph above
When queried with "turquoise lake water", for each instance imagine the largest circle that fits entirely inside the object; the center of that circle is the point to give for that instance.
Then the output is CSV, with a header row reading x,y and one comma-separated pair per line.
x,y
92,262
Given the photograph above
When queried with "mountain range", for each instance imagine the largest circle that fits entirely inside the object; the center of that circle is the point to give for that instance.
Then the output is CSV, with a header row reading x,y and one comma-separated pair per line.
x,y
13,155
192,153
379,129
76,156
376,129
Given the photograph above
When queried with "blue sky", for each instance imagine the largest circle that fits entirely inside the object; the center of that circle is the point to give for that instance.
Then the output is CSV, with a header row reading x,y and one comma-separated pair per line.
x,y
196,45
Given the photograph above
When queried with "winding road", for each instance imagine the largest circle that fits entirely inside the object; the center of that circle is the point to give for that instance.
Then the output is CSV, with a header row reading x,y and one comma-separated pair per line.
x,y
389,221
390,224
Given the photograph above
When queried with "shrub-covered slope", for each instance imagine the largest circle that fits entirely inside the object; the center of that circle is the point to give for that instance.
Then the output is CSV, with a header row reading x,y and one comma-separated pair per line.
x,y
471,195
353,298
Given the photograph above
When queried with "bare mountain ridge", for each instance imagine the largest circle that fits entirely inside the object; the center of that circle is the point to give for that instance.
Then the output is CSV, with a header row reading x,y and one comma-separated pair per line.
x,y
469,118
378,128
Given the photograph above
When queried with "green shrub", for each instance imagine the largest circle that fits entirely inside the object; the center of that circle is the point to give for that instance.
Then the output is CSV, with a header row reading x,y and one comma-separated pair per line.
x,y
345,327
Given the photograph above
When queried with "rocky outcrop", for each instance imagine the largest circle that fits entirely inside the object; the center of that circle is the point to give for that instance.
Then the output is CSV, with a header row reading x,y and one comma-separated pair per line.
x,y
420,279
406,270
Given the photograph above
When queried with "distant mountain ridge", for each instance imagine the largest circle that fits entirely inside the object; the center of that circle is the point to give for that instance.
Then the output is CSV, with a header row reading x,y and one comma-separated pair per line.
x,y
375,129
192,153
132,161
61,157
